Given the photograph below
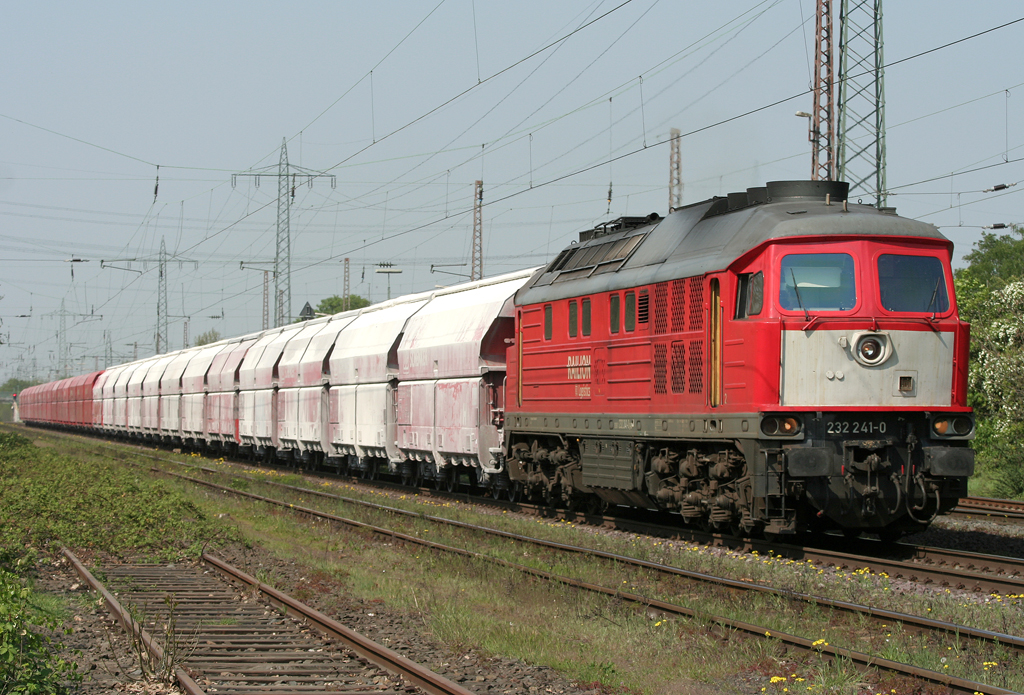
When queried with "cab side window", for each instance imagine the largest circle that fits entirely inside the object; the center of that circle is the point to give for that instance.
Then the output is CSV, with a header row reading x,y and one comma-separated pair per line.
x,y
749,294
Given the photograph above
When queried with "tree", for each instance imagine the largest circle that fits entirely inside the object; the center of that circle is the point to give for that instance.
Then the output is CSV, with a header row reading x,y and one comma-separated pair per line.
x,y
211,336
14,385
335,304
990,296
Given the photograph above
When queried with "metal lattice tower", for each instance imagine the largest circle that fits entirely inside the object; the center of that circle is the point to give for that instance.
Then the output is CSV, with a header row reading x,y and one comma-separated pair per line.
x,y
266,299
675,173
62,343
822,125
345,296
287,175
108,351
283,257
161,302
860,152
477,269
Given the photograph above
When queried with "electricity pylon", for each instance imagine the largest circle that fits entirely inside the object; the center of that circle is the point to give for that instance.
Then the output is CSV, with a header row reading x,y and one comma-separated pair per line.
x,y
860,155
287,176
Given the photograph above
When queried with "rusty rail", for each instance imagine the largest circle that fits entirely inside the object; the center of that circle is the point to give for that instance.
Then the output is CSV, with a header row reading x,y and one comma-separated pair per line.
x,y
131,625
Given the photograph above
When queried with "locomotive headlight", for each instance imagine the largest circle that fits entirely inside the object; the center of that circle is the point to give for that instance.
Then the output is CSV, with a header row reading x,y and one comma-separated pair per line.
x,y
959,426
779,426
871,349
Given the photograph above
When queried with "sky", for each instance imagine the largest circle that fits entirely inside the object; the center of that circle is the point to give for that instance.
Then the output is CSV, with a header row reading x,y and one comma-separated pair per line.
x,y
393,109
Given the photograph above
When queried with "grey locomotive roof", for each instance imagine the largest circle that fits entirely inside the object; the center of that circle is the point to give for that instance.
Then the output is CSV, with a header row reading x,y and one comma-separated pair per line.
x,y
708,236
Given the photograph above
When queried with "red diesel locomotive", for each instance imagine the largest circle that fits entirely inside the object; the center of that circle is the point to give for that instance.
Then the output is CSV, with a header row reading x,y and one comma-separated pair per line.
x,y
771,362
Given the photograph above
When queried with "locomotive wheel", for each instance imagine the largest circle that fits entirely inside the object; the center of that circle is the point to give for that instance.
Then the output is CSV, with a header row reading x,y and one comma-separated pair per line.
x,y
514,491
851,533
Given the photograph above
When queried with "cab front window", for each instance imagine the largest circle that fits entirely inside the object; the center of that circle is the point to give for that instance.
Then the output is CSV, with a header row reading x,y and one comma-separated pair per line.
x,y
817,282
912,283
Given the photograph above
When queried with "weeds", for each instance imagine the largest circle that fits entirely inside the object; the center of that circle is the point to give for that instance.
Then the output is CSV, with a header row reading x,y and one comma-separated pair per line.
x,y
176,648
29,661
48,499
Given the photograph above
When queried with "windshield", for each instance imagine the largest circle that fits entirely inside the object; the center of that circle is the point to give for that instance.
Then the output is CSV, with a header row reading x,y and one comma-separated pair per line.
x,y
912,283
817,282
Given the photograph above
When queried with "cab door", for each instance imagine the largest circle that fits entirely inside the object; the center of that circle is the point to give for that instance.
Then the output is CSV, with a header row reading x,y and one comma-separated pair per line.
x,y
715,329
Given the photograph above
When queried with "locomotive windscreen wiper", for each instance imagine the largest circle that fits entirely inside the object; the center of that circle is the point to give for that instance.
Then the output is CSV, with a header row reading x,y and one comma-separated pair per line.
x,y
935,293
807,317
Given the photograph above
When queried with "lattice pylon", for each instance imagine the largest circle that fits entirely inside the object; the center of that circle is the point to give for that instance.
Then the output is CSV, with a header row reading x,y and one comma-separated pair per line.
x,y
675,172
346,302
860,150
161,302
477,270
283,257
822,131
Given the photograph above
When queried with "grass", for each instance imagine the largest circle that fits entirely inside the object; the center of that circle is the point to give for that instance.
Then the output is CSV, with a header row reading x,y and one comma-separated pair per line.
x,y
48,499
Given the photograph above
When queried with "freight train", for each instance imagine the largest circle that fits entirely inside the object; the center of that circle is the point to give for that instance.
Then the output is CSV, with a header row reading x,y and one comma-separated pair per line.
x,y
771,362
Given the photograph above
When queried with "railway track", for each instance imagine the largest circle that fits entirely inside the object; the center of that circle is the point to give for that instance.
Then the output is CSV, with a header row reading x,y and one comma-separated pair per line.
x,y
861,660
917,622
953,569
225,644
930,565
991,509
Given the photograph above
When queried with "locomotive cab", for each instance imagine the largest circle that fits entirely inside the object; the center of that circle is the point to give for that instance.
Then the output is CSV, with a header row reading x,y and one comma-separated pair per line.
x,y
871,423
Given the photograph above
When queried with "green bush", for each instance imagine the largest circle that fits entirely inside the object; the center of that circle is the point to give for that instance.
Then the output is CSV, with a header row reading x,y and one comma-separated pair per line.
x,y
49,499
29,662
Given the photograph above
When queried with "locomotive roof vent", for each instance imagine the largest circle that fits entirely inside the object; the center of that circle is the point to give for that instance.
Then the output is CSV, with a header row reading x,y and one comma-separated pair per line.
x,y
757,195
817,190
620,224
737,200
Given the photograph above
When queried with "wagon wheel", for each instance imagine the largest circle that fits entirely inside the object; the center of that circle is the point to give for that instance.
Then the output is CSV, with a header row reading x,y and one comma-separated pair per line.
x,y
451,479
408,477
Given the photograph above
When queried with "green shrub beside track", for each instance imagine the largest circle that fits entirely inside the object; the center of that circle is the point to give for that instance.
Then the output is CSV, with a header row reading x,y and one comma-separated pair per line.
x,y
28,662
50,499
